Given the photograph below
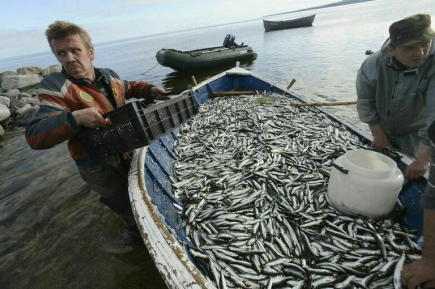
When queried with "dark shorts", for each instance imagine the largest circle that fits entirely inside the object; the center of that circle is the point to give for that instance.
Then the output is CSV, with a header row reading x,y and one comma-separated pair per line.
x,y
108,179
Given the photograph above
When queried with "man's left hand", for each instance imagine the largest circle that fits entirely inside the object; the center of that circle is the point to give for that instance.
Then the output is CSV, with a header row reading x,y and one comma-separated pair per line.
x,y
157,92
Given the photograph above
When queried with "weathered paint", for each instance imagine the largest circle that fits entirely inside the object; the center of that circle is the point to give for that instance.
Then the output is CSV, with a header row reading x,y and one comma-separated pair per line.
x,y
169,256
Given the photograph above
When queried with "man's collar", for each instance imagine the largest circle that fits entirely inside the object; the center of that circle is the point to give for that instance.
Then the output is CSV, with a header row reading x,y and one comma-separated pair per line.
x,y
98,76
396,65
399,64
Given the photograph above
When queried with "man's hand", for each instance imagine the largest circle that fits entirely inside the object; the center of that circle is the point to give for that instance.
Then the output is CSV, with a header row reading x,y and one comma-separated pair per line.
x,y
423,270
418,168
420,271
89,117
380,140
157,92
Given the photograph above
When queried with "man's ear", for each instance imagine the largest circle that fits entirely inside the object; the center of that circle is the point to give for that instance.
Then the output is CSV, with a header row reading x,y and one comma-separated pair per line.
x,y
92,53
390,51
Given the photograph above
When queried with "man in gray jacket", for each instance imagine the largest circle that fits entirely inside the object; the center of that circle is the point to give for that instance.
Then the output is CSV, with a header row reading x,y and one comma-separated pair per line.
x,y
396,91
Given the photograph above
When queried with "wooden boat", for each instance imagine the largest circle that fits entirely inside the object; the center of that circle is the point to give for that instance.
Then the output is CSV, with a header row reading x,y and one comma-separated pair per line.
x,y
154,203
205,57
286,24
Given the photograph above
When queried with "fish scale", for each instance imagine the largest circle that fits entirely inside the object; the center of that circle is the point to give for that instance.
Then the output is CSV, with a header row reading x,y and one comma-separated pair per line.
x,y
272,162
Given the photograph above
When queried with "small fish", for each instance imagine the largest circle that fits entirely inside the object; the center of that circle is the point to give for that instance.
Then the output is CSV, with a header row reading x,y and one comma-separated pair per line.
x,y
398,272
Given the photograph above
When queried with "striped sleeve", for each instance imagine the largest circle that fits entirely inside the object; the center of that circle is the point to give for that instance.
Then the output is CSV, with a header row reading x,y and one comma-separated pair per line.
x,y
49,127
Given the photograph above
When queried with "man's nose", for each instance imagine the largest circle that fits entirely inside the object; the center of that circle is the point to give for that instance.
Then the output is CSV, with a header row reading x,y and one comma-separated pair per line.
x,y
421,51
70,57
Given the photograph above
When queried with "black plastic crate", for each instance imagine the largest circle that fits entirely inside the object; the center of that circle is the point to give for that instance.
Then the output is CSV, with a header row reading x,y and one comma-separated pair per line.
x,y
136,125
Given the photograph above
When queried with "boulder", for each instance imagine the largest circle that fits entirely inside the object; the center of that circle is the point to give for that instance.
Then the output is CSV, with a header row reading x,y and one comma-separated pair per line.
x,y
26,114
24,94
13,93
51,69
29,70
22,109
15,105
24,83
5,122
5,100
2,132
30,100
4,112
6,73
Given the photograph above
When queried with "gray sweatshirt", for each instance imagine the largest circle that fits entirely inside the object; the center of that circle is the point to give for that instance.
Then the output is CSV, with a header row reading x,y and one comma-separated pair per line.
x,y
402,101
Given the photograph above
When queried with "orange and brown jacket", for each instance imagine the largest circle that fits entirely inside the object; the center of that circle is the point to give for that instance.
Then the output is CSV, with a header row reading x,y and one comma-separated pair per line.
x,y
60,95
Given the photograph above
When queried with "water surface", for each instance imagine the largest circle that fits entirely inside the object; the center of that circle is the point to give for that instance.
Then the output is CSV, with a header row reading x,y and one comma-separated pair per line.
x,y
54,232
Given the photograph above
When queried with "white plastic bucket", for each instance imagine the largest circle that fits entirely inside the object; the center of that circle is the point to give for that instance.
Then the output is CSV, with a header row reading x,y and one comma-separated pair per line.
x,y
371,186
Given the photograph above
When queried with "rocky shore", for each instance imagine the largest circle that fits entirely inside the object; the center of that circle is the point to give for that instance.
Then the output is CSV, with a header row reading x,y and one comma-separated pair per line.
x,y
18,94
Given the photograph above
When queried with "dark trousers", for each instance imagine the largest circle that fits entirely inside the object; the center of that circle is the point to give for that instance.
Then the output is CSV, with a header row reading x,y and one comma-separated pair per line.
x,y
110,180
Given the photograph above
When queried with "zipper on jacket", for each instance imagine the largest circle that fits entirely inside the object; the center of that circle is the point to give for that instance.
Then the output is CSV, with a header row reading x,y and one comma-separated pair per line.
x,y
396,81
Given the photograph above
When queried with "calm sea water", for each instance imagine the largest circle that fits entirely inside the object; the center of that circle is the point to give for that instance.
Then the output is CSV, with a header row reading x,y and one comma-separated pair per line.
x,y
55,234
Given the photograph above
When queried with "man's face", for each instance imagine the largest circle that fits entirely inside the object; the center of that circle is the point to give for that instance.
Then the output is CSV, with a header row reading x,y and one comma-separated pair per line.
x,y
74,57
412,55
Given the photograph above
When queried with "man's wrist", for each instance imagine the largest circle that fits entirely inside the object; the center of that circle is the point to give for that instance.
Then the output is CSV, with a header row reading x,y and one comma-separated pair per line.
x,y
76,116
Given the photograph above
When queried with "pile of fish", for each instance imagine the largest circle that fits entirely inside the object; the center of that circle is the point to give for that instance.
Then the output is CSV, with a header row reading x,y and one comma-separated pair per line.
x,y
252,174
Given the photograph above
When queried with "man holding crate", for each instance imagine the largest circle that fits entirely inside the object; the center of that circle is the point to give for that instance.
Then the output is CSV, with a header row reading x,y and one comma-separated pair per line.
x,y
78,97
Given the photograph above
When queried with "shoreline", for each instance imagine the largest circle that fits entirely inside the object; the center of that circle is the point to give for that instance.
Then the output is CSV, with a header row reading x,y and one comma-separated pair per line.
x,y
343,2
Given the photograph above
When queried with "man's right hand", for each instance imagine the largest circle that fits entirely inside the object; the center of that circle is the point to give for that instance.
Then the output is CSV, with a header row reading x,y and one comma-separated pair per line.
x,y
380,140
418,272
89,117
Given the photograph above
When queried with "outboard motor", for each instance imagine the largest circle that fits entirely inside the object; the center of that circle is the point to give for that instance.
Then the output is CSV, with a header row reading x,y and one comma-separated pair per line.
x,y
229,41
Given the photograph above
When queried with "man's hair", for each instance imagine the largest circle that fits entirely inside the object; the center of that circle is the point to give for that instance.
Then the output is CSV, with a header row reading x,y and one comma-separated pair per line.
x,y
62,29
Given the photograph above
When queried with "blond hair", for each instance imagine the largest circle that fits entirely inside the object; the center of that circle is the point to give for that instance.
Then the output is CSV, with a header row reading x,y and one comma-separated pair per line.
x,y
62,29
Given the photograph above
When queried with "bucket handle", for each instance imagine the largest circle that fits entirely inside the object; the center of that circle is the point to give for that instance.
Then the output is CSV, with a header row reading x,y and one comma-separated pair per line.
x,y
341,169
386,151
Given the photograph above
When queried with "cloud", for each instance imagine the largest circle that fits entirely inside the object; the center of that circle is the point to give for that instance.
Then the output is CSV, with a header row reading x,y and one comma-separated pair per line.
x,y
20,42
111,8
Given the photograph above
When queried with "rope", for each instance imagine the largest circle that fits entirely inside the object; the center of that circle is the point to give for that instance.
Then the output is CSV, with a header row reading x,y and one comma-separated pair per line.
x,y
143,73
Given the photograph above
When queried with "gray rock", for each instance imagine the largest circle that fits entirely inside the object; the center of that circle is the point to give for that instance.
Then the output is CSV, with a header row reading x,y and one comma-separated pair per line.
x,y
27,114
24,83
2,132
4,112
29,100
15,104
6,73
29,70
24,94
22,109
51,69
5,122
5,100
13,93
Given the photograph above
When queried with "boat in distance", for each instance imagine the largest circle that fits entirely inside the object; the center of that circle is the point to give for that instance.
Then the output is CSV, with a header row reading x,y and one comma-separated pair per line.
x,y
159,211
203,58
305,21
229,52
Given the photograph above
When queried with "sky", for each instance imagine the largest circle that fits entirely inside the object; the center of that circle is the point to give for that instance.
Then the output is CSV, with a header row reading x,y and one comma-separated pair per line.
x,y
23,22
